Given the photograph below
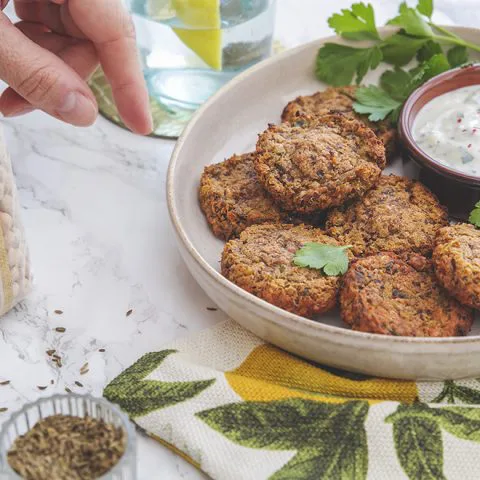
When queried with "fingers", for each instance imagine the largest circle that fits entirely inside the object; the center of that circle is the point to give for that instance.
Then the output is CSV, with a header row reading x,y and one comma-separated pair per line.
x,y
79,55
46,13
114,40
3,4
43,79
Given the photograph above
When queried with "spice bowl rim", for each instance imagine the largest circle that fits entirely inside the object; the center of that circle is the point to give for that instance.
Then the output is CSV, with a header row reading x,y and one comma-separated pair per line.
x,y
129,455
443,83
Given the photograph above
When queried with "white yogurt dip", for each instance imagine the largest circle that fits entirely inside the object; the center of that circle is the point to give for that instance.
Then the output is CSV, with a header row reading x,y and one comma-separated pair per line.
x,y
448,129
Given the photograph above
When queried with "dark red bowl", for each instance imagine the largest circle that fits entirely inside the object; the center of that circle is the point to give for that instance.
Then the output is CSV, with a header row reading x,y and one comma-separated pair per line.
x,y
456,190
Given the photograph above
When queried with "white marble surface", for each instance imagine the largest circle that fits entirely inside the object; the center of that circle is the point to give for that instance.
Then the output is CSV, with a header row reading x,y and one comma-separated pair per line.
x,y
94,209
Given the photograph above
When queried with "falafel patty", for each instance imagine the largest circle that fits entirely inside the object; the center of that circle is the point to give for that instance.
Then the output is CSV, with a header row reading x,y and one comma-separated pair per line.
x,y
261,262
232,198
321,163
397,215
385,294
339,99
456,258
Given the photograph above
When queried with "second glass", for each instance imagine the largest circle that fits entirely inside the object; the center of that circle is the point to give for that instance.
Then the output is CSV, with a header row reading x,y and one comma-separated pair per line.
x,y
190,48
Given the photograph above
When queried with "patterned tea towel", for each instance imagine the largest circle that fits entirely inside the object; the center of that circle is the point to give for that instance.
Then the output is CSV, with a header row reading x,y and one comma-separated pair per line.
x,y
239,408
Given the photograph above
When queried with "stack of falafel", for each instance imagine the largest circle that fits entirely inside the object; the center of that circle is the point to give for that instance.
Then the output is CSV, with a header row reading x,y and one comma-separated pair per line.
x,y
317,177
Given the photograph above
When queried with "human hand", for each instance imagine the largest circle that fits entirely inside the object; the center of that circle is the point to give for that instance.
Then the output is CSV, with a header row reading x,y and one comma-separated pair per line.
x,y
47,56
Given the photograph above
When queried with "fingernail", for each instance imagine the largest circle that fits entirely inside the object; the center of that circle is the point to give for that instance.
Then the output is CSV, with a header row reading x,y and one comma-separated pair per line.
x,y
78,109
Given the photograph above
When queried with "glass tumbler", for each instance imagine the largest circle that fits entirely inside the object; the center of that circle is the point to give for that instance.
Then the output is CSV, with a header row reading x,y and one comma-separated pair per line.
x,y
76,405
190,48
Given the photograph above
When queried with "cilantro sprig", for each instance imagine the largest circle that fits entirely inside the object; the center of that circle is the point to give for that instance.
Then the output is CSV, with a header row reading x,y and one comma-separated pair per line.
x,y
435,48
331,259
474,217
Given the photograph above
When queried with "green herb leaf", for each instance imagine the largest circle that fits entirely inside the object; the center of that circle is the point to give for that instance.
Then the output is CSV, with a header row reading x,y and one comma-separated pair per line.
x,y
474,217
375,102
333,260
435,66
425,7
355,24
412,22
338,64
399,49
395,83
428,50
138,396
330,439
457,56
428,69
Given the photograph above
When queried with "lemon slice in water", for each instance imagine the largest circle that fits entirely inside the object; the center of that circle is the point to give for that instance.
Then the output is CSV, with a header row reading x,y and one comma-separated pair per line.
x,y
202,33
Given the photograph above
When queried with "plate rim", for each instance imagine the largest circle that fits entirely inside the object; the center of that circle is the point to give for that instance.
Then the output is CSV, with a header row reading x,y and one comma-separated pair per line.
x,y
282,317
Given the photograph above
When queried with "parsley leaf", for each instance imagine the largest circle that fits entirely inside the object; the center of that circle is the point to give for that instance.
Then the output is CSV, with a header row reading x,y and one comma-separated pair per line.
x,y
474,217
428,50
399,48
395,83
338,64
412,22
429,69
333,260
355,24
425,7
457,56
375,102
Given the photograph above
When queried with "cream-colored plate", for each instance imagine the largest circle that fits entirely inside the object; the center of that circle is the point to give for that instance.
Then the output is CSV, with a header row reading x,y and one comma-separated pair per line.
x,y
229,123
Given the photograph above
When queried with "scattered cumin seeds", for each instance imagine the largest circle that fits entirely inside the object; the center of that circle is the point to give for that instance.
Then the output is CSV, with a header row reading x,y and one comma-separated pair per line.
x,y
84,369
5,382
58,312
62,446
78,384
68,390
41,387
212,309
129,312
52,381
50,352
101,349
60,329
3,409
57,360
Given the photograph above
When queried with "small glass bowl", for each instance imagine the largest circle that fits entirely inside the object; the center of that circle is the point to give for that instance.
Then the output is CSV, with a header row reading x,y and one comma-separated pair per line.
x,y
76,405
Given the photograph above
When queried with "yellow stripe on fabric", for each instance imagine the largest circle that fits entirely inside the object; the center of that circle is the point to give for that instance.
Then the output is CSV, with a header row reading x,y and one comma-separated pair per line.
x,y
271,374
6,276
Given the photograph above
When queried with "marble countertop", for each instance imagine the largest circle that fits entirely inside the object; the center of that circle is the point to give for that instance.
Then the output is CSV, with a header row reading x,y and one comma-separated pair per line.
x,y
101,243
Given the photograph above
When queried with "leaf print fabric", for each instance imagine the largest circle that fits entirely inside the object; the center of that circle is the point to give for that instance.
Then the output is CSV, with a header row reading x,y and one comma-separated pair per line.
x,y
138,396
240,409
330,439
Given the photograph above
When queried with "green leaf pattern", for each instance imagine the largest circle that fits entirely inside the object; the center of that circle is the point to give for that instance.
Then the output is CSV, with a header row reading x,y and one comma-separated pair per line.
x,y
330,439
138,396
327,440
417,432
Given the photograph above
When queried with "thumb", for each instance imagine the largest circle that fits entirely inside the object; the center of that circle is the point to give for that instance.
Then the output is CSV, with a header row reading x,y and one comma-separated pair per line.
x,y
43,79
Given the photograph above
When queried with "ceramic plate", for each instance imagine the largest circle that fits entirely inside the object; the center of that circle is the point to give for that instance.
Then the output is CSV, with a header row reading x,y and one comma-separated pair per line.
x,y
229,123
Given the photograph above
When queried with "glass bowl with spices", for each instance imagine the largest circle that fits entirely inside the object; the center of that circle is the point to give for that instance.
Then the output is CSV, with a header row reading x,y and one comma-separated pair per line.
x,y
68,437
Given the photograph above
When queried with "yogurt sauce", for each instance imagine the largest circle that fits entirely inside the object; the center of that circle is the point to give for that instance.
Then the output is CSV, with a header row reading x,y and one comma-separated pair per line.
x,y
448,129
